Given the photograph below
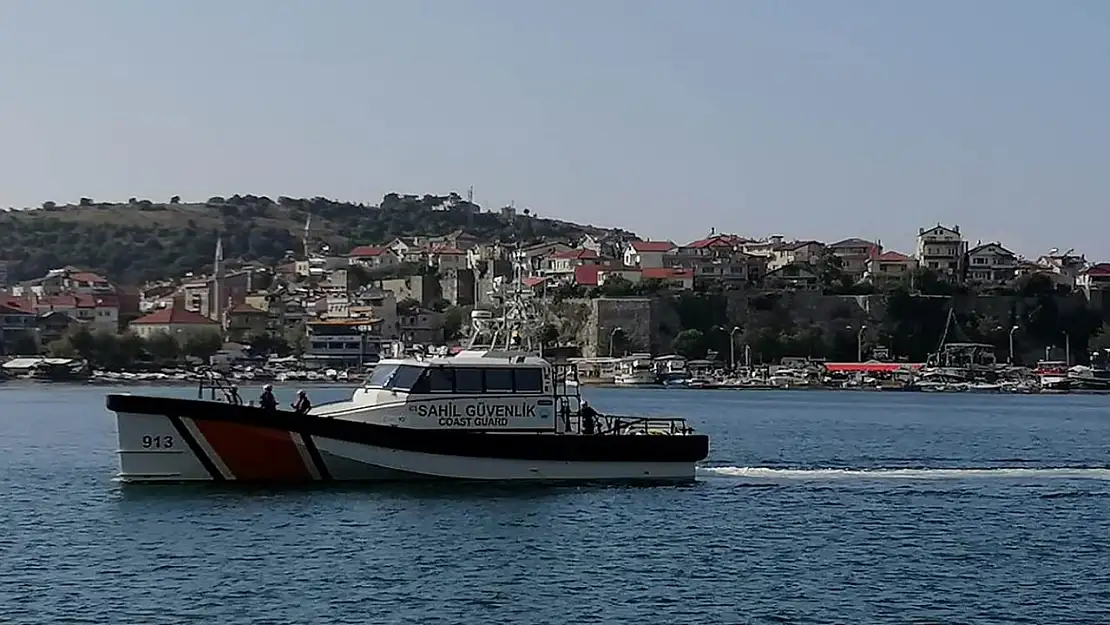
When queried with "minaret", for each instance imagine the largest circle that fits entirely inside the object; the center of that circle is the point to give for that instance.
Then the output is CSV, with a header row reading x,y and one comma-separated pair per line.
x,y
307,232
216,305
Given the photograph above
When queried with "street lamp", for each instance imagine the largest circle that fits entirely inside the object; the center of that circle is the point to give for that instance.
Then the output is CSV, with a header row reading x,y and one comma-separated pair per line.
x,y
1012,330
859,343
613,335
732,348
1067,349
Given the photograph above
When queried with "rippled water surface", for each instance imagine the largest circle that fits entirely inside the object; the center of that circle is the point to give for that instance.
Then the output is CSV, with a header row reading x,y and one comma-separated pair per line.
x,y
814,507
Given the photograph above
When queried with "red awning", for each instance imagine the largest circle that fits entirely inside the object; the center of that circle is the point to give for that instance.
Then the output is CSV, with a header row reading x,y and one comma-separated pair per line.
x,y
869,367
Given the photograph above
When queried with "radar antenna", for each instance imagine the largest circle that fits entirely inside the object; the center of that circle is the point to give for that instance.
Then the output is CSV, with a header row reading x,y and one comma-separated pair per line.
x,y
517,327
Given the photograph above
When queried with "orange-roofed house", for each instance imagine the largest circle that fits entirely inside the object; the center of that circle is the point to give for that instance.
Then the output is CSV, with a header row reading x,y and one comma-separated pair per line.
x,y
371,256
100,311
1094,281
587,275
681,278
16,321
889,266
175,321
647,254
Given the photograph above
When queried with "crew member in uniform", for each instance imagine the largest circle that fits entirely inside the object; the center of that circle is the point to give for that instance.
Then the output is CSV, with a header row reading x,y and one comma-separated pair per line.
x,y
589,418
267,401
302,405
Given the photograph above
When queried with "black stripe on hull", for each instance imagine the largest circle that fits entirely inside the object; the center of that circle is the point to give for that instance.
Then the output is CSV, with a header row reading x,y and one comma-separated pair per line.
x,y
195,447
501,445
314,455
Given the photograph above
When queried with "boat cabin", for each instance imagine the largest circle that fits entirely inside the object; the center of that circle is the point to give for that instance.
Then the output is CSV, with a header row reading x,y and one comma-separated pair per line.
x,y
491,390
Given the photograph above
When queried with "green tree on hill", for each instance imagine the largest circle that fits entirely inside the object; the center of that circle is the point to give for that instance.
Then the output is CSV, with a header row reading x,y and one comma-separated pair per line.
x,y
131,243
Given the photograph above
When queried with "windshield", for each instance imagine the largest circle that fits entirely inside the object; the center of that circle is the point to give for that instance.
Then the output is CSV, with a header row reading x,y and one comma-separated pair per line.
x,y
394,377
381,375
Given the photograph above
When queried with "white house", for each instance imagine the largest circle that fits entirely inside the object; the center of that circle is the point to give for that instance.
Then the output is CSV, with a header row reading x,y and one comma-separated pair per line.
x,y
647,254
991,263
941,249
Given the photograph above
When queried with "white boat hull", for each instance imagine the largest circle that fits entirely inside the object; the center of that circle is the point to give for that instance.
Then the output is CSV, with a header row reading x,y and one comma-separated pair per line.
x,y
156,448
645,379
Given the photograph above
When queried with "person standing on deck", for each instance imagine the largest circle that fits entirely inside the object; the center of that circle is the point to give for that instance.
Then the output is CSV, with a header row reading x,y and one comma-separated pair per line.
x,y
302,405
589,417
266,400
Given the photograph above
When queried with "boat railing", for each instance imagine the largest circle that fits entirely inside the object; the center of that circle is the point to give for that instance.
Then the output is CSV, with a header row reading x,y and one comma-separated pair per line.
x,y
615,425
218,386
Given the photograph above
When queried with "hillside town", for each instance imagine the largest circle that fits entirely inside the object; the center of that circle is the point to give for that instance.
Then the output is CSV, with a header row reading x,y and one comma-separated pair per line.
x,y
320,310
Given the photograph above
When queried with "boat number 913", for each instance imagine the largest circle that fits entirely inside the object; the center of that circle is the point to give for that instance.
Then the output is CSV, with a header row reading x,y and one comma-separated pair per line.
x,y
157,442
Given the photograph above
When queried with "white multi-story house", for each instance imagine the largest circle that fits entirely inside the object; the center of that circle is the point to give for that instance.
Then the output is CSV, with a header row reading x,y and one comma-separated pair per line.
x,y
647,254
941,249
1065,268
990,263
447,258
561,264
1094,281
796,252
410,250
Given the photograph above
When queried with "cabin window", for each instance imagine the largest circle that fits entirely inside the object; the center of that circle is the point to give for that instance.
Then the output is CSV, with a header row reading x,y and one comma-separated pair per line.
x,y
468,380
529,380
381,375
499,380
405,378
439,380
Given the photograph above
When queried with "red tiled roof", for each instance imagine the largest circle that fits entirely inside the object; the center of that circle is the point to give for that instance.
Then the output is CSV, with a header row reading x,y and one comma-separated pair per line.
x,y
1098,269
576,254
586,275
653,246
86,276
17,304
665,273
533,281
366,251
12,306
174,316
717,240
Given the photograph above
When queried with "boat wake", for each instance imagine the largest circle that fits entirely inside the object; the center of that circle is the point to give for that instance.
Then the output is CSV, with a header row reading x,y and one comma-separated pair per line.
x,y
769,473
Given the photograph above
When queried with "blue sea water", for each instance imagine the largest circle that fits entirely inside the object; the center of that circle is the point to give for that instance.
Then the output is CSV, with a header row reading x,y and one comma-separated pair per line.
x,y
814,507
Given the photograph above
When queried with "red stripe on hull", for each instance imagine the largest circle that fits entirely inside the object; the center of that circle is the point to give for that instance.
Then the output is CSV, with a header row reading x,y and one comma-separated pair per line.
x,y
254,453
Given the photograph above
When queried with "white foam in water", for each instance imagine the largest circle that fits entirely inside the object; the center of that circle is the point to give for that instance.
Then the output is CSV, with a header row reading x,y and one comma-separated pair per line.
x,y
906,474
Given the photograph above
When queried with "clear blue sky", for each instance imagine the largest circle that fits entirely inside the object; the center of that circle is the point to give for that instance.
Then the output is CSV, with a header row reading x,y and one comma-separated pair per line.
x,y
819,118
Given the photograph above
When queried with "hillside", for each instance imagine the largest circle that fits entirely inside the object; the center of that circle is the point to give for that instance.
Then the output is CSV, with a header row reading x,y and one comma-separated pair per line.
x,y
140,240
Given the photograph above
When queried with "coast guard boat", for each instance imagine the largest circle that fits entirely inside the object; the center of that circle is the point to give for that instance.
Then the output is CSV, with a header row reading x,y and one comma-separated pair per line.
x,y
495,411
